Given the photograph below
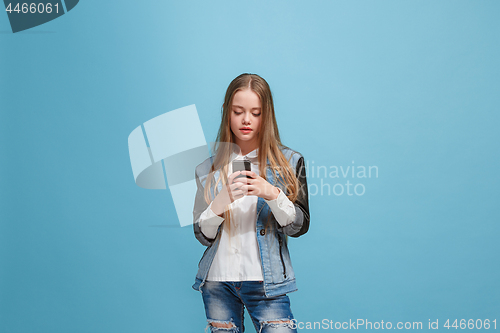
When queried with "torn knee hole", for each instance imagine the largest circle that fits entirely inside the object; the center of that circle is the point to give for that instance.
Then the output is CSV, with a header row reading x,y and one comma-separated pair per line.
x,y
277,323
222,324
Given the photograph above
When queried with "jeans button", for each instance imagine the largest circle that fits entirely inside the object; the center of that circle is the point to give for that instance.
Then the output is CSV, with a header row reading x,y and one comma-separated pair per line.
x,y
262,232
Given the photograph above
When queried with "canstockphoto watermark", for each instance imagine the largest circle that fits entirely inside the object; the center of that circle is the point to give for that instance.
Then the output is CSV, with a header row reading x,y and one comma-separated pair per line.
x,y
339,180
25,15
431,324
327,324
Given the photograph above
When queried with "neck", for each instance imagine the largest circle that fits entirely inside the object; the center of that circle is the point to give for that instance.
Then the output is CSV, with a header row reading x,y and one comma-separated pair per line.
x,y
247,146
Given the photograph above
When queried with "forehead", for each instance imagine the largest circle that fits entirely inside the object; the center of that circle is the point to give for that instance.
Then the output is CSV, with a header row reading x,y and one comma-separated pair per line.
x,y
246,99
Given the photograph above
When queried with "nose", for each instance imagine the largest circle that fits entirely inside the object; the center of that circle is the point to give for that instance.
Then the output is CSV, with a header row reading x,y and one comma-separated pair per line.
x,y
246,118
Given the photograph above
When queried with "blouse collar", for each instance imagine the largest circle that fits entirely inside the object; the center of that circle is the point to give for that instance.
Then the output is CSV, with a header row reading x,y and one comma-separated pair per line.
x,y
251,155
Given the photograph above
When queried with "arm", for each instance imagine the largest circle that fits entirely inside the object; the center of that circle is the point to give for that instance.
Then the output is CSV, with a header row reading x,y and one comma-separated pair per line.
x,y
300,224
282,208
210,222
207,218
202,211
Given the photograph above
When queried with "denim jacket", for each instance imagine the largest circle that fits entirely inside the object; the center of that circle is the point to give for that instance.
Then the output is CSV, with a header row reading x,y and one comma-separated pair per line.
x,y
277,270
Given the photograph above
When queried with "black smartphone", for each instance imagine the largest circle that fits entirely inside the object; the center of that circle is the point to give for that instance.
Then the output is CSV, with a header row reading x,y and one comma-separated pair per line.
x,y
241,165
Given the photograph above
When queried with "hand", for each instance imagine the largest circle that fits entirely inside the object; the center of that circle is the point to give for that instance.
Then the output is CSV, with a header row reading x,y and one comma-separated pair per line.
x,y
229,193
257,186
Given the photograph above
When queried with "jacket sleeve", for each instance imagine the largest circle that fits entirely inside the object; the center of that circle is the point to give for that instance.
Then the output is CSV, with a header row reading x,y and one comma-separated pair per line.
x,y
200,206
300,225
283,209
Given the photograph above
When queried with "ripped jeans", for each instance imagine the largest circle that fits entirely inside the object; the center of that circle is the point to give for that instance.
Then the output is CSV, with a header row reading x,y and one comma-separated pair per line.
x,y
225,303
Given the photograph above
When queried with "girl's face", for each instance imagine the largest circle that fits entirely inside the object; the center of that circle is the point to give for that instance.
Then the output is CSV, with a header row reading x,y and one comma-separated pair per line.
x,y
246,118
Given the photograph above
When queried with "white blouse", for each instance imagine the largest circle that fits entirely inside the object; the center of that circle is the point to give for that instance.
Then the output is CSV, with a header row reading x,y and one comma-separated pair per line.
x,y
237,257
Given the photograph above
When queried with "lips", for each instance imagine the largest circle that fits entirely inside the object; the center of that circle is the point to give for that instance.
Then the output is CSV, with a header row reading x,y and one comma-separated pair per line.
x,y
245,130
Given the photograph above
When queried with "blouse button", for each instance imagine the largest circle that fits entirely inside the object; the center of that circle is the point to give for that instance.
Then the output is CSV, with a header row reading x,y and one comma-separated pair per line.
x,y
262,232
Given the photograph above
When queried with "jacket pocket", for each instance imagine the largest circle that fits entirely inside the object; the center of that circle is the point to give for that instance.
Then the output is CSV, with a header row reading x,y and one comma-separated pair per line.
x,y
281,257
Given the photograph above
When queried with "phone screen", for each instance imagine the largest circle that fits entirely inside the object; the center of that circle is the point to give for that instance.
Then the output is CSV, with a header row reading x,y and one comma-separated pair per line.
x,y
241,165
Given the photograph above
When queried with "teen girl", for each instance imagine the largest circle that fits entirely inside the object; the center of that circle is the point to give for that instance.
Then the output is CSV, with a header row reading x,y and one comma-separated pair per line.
x,y
244,221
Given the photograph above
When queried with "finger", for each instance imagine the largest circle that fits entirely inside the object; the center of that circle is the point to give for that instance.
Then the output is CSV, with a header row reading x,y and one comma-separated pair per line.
x,y
238,194
242,180
250,189
244,188
249,173
235,186
253,190
232,176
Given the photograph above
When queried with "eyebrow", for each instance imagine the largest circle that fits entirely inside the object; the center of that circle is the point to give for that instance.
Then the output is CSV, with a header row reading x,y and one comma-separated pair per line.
x,y
237,106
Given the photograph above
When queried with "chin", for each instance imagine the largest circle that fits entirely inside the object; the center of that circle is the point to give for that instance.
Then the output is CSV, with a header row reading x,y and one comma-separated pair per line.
x,y
247,138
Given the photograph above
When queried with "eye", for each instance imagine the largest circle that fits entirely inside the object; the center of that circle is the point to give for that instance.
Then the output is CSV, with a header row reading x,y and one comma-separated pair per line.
x,y
256,114
237,113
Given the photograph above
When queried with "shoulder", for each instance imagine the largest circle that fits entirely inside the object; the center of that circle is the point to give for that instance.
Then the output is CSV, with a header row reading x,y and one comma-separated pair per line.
x,y
203,169
291,155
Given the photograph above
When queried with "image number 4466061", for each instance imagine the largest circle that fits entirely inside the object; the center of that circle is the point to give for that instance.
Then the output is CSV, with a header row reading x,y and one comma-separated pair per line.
x,y
25,15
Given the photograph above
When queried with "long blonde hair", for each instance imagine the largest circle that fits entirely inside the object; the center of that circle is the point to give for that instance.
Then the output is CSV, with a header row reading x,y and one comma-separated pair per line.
x,y
269,141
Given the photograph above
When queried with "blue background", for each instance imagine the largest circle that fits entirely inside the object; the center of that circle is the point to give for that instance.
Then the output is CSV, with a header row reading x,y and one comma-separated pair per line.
x,y
411,87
